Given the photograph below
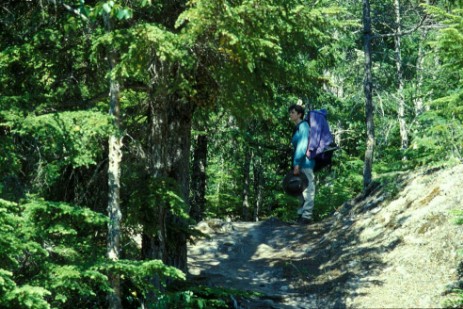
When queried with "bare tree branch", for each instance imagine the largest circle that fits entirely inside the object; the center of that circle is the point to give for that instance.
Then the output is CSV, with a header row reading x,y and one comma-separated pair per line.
x,y
402,33
70,9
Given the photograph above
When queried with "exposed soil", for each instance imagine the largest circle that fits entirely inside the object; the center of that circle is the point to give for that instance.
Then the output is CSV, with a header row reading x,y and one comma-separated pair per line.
x,y
380,250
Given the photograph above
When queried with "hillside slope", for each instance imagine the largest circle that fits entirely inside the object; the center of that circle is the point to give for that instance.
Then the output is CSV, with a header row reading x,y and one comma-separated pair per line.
x,y
376,251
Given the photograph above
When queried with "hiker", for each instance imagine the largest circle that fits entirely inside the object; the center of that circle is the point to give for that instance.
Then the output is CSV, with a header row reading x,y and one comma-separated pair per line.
x,y
301,163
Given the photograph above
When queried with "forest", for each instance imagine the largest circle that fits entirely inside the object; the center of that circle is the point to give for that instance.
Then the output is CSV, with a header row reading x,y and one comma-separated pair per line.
x,y
124,123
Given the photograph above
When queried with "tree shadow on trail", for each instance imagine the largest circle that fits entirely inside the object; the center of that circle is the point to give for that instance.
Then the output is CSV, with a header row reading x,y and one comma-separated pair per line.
x,y
322,265
335,269
342,263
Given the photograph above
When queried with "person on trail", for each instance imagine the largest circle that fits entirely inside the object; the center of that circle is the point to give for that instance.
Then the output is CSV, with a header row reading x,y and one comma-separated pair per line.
x,y
301,163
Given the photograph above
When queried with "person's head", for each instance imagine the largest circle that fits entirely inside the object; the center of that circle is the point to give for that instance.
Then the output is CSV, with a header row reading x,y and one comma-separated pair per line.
x,y
296,113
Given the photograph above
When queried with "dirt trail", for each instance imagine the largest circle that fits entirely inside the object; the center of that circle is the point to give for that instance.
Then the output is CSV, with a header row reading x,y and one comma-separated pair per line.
x,y
375,252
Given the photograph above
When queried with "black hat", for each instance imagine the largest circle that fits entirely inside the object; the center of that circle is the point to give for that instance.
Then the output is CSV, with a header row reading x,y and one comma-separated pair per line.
x,y
295,184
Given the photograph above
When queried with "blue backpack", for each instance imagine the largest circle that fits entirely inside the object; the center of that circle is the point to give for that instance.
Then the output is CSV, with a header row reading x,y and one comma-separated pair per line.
x,y
321,143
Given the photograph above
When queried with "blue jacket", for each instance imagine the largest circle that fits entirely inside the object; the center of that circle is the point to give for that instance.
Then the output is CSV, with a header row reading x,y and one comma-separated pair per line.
x,y
300,142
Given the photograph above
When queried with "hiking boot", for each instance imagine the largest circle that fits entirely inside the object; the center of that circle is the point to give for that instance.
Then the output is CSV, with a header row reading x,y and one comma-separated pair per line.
x,y
305,221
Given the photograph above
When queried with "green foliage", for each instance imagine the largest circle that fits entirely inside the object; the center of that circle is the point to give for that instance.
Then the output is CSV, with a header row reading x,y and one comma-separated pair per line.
x,y
458,217
159,196
439,139
223,196
199,297
61,224
43,264
456,301
15,246
337,184
455,297
72,136
52,256
27,296
284,207
438,135
134,276
43,62
450,38
250,49
191,300
138,45
74,242
54,142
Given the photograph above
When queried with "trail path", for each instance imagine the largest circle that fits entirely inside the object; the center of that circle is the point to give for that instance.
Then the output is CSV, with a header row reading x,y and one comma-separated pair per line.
x,y
374,252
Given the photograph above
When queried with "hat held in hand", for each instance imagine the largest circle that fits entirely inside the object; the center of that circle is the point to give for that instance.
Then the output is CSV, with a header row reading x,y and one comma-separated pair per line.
x,y
294,184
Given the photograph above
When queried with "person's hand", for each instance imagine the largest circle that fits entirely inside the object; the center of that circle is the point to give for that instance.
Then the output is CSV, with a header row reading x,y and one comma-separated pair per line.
x,y
296,170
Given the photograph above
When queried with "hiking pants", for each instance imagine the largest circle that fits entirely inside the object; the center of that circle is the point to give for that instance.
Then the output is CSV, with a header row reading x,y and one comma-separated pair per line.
x,y
308,195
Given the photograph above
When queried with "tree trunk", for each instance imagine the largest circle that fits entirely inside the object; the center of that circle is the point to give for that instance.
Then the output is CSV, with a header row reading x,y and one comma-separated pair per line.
x,y
368,89
246,183
199,178
400,82
115,215
338,134
169,147
154,244
258,187
178,167
114,182
418,101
